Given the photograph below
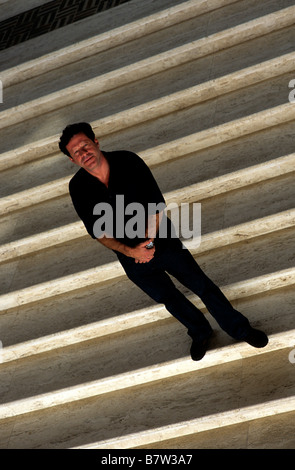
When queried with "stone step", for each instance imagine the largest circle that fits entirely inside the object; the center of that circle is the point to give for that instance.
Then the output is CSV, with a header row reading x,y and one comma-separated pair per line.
x,y
91,277
162,153
54,237
63,321
176,101
250,149
146,67
82,367
138,318
75,255
196,408
131,31
224,63
88,299
277,233
144,376
218,421
72,238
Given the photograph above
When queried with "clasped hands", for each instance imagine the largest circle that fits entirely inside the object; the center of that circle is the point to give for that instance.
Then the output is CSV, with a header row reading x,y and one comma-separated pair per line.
x,y
142,254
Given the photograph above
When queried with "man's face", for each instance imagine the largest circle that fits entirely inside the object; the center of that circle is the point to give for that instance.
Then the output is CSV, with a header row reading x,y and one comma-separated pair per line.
x,y
84,152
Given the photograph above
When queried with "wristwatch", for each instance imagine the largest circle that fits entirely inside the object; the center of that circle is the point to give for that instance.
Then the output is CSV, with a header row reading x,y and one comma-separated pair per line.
x,y
150,245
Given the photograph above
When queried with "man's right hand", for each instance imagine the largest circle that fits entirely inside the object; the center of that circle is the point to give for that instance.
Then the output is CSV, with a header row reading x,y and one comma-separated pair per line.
x,y
140,253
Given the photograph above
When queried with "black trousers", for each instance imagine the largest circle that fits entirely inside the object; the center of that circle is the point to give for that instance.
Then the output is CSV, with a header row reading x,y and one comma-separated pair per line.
x,y
172,258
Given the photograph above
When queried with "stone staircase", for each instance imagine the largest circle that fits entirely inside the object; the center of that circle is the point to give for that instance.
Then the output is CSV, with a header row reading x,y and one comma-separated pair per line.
x,y
200,90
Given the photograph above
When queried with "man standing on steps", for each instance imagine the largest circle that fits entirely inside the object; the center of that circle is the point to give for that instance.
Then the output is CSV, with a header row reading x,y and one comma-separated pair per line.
x,y
114,184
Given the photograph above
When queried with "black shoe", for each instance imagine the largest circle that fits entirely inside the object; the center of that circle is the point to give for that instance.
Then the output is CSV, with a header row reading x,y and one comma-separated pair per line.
x,y
199,348
256,338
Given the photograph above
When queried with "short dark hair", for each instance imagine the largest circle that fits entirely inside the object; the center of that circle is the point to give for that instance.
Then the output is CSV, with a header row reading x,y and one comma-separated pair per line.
x,y
74,129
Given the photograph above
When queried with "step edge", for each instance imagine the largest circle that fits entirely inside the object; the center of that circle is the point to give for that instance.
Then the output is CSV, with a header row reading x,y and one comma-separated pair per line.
x,y
76,230
98,43
146,67
62,285
198,425
106,327
165,152
163,106
142,376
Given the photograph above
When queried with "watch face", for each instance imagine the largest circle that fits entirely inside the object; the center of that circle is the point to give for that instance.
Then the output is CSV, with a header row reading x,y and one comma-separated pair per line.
x,y
150,245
